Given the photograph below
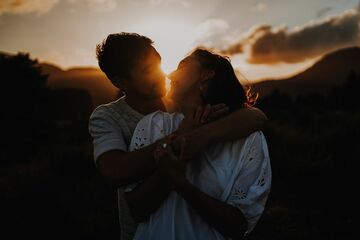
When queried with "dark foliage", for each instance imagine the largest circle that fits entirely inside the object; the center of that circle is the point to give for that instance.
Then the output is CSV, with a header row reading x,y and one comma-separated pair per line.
x,y
314,149
49,187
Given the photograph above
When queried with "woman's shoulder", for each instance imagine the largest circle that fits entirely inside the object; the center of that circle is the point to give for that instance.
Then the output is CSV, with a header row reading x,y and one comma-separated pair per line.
x,y
256,137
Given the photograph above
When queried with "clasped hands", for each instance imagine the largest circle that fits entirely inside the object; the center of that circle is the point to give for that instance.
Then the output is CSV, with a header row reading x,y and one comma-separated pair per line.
x,y
174,152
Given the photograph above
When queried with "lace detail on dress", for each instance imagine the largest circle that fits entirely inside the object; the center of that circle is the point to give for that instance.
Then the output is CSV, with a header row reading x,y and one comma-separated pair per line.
x,y
140,141
255,154
261,181
141,137
240,193
252,184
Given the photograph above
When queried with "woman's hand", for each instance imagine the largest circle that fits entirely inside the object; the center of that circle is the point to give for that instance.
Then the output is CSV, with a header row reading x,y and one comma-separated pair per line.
x,y
171,166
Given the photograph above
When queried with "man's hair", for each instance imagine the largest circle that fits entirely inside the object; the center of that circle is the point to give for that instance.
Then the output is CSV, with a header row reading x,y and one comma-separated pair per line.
x,y
118,53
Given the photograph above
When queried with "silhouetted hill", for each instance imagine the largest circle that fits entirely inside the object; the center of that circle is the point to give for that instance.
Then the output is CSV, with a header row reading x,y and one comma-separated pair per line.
x,y
332,70
90,79
70,105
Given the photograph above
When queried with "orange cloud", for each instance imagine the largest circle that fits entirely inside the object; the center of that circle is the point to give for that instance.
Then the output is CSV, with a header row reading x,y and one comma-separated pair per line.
x,y
26,6
268,45
43,6
96,5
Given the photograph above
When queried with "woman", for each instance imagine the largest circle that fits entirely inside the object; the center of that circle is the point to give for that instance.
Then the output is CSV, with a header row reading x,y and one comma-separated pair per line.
x,y
222,193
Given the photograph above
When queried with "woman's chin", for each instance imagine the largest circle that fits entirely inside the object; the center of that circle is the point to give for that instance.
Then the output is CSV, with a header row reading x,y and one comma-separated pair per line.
x,y
170,104
171,95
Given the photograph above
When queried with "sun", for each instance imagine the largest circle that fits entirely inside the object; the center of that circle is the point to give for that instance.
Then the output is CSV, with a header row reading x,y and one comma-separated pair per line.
x,y
172,38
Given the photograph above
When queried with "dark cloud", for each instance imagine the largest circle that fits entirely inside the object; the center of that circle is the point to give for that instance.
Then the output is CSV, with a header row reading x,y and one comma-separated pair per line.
x,y
266,44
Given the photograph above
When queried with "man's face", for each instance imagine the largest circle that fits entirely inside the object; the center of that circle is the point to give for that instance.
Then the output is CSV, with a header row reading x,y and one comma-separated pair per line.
x,y
185,78
147,80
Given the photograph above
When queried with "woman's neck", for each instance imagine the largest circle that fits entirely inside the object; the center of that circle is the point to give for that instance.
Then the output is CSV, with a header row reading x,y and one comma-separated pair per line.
x,y
190,103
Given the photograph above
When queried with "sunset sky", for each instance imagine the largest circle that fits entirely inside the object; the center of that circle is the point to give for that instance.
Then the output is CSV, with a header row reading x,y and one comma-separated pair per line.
x,y
265,38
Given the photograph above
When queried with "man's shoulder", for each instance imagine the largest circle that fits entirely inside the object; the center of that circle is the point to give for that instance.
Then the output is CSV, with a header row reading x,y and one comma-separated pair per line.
x,y
108,109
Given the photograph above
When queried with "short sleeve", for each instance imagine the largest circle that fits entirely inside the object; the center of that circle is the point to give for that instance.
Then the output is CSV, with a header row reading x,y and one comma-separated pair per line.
x,y
253,182
153,127
106,136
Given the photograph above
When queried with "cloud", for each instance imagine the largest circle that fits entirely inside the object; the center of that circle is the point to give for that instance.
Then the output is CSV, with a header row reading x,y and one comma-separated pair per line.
x,y
96,5
260,7
183,3
40,7
26,6
211,31
270,45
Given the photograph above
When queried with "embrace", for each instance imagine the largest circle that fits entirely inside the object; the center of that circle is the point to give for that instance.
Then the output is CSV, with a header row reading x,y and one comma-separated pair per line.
x,y
191,163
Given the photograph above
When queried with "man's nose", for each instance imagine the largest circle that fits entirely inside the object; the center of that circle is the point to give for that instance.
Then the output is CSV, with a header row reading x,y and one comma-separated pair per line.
x,y
161,74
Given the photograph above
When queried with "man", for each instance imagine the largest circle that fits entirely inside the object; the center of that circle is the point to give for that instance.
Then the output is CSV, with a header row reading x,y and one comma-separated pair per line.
x,y
133,65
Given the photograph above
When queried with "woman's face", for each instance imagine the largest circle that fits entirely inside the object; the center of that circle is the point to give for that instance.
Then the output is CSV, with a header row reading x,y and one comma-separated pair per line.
x,y
185,79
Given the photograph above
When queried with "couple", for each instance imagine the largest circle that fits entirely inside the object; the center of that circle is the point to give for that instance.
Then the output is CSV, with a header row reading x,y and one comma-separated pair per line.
x,y
182,171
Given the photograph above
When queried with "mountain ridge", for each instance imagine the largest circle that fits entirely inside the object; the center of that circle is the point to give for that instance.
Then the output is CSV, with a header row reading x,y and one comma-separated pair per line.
x,y
330,71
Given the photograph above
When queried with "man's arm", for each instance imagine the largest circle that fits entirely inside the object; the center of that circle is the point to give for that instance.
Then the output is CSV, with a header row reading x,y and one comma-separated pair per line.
x,y
149,195
235,125
123,168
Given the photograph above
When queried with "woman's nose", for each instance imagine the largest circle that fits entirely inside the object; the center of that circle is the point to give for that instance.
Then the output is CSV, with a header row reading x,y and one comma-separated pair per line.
x,y
171,75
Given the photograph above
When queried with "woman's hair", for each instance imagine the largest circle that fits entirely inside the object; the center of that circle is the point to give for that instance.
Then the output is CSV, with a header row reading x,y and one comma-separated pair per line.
x,y
224,86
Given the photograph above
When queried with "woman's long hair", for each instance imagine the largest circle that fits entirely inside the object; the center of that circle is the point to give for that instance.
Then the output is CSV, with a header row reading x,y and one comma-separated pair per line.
x,y
224,86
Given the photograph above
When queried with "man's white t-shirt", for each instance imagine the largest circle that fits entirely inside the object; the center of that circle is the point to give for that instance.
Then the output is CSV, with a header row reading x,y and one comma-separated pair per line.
x,y
111,127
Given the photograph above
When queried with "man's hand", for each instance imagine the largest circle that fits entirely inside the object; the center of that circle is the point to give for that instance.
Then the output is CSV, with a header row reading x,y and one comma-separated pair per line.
x,y
217,111
201,116
190,123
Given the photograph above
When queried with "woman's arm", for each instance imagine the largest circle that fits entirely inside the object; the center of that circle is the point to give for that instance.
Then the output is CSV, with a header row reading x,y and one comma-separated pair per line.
x,y
147,197
225,218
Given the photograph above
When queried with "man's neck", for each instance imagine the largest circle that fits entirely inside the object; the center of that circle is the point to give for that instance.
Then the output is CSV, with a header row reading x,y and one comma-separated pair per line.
x,y
143,105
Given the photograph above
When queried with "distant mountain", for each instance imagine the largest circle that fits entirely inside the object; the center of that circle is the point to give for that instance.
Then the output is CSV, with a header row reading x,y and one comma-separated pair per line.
x,y
330,71
93,80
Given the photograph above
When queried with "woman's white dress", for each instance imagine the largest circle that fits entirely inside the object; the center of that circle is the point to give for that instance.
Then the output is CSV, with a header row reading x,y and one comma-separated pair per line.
x,y
236,172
